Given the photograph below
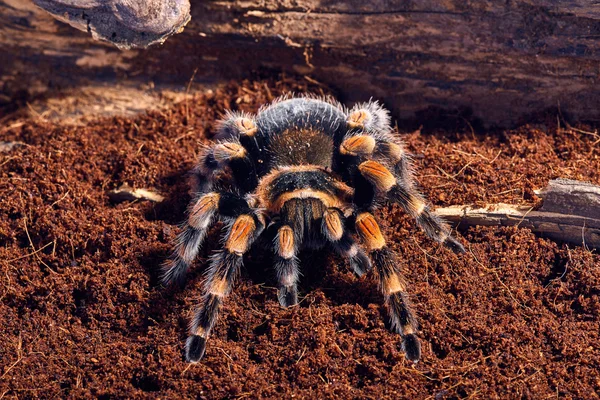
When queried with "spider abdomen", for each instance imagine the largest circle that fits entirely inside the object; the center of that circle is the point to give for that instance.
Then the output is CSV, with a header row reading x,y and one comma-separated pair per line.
x,y
307,113
300,146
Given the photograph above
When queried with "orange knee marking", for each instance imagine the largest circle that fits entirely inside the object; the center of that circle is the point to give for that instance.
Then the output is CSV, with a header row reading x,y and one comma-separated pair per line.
x,y
394,151
378,175
357,119
369,231
183,252
200,331
241,232
246,126
203,210
227,151
219,287
393,284
417,205
360,145
408,329
286,242
333,224
442,236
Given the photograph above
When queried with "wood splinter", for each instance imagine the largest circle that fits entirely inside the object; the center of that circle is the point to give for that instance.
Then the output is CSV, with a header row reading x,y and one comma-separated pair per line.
x,y
570,213
127,193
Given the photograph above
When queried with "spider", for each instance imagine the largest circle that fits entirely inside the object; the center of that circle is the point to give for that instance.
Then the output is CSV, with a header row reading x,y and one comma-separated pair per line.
x,y
302,173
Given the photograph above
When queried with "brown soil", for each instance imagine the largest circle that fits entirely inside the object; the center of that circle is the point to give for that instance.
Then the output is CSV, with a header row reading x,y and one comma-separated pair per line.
x,y
82,314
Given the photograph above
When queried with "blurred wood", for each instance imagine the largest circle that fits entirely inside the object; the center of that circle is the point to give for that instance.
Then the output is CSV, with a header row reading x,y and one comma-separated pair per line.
x,y
571,213
127,193
497,61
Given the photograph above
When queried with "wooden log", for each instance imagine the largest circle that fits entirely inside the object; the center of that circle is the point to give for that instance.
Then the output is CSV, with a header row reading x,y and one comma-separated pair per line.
x,y
125,23
567,196
497,61
570,213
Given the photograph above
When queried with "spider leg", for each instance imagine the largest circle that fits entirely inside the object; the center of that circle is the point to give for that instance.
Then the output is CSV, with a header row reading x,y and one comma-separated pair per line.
x,y
369,140
237,125
201,213
215,159
221,275
392,284
432,224
286,266
243,127
384,183
372,120
335,232
392,150
370,117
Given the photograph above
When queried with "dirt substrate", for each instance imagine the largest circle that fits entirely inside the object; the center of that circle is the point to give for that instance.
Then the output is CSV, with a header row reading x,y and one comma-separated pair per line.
x,y
82,314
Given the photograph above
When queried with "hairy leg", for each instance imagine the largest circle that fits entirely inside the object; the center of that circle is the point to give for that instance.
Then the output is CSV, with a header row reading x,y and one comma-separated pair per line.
x,y
392,284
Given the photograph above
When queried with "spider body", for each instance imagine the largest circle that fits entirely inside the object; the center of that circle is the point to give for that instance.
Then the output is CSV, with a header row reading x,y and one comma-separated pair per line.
x,y
303,173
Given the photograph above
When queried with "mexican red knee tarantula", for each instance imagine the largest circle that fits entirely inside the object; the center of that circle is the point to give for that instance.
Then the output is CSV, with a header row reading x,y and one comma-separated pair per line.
x,y
303,173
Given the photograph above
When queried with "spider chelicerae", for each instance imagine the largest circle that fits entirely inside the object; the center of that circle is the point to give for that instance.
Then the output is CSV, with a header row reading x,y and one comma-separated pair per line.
x,y
302,173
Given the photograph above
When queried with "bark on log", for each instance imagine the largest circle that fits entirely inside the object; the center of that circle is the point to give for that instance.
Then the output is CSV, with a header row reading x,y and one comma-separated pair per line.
x,y
502,60
125,23
570,213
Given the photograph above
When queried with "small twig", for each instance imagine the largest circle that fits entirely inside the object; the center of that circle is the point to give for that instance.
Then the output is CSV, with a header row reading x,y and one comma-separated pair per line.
x,y
302,355
506,191
323,379
470,126
416,371
314,81
499,280
224,352
594,134
190,133
57,201
32,253
495,158
583,236
37,114
524,216
269,94
19,356
187,91
453,177
564,272
7,160
427,255
186,368
340,349
35,250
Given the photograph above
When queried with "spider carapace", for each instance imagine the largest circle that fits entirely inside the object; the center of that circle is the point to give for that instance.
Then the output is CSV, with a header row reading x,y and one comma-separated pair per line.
x,y
302,173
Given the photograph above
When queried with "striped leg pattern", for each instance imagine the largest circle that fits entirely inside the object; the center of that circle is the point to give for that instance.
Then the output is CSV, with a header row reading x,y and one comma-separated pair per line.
x,y
370,147
392,284
224,268
286,266
336,233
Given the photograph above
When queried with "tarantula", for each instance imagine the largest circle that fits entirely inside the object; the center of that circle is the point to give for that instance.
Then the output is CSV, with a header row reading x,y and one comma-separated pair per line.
x,y
302,173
